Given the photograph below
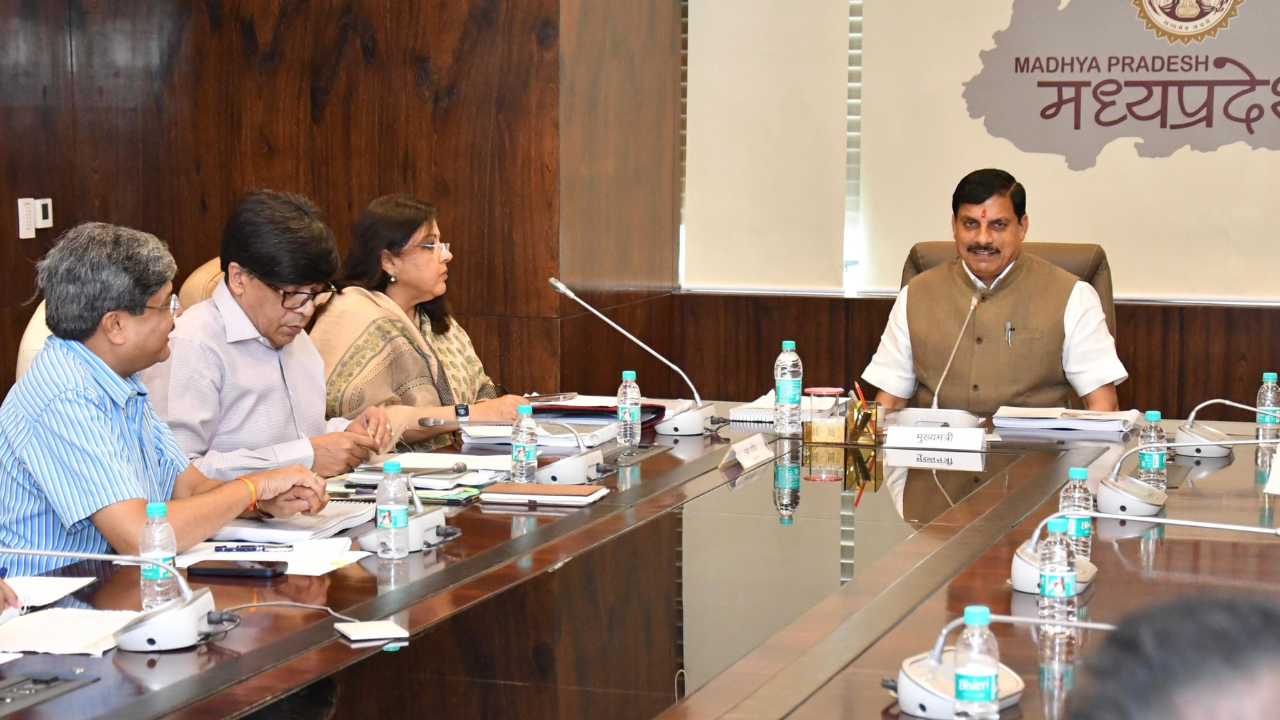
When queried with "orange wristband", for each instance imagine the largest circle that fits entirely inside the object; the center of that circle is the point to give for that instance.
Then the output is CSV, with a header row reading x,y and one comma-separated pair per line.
x,y
253,504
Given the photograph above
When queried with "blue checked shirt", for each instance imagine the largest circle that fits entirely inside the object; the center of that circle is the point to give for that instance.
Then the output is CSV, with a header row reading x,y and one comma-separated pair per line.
x,y
76,437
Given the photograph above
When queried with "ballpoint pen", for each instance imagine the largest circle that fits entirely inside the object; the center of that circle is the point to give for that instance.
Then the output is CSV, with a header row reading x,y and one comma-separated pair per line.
x,y
253,548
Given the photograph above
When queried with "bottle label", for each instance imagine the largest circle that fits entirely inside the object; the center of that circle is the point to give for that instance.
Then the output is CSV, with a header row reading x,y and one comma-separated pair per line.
x,y
1151,460
392,518
976,685
151,572
1267,419
788,391
1079,527
524,452
628,414
1058,585
786,477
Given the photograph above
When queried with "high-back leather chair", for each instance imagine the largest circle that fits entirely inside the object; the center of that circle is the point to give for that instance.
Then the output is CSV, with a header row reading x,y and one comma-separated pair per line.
x,y
197,288
1085,261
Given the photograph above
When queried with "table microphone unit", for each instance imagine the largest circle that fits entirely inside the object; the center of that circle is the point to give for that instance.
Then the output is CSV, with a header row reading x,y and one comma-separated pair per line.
x,y
1124,495
1025,570
932,416
925,682
1202,440
691,422
582,468
179,623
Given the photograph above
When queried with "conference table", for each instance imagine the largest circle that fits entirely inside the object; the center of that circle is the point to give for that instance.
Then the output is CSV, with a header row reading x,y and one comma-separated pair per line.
x,y
682,594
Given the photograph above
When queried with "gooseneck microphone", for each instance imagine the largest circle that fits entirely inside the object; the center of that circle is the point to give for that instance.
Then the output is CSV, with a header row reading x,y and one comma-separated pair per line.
x,y
973,305
692,422
1200,441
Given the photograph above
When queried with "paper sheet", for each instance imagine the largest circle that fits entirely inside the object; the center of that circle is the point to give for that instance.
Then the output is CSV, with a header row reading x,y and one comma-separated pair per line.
x,y
9,657
63,631
308,557
411,462
37,591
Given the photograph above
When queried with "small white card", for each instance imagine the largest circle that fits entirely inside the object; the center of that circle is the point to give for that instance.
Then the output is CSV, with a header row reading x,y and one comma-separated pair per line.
x,y
936,438
749,453
375,630
935,460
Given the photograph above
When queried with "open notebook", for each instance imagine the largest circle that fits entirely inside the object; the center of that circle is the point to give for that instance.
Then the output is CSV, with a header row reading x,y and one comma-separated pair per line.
x,y
337,516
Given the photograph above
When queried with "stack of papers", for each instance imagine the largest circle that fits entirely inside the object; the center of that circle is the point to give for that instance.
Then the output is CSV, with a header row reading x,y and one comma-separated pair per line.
x,y
308,557
337,516
62,631
37,591
760,410
1064,419
554,435
671,408
419,462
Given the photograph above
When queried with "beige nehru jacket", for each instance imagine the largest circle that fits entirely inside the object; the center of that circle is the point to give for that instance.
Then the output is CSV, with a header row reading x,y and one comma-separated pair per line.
x,y
1059,347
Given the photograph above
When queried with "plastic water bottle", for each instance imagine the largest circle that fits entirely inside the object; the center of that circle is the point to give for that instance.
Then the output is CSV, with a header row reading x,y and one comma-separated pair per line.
x,y
1076,496
629,410
788,373
524,446
160,544
977,668
393,512
786,481
1151,463
1268,399
1057,577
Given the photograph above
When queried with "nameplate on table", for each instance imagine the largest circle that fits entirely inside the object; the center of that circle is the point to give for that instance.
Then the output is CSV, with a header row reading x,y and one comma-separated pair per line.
x,y
749,453
935,460
936,438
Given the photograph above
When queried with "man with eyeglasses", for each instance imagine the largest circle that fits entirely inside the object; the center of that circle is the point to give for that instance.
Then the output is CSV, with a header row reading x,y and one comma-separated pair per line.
x,y
82,451
244,387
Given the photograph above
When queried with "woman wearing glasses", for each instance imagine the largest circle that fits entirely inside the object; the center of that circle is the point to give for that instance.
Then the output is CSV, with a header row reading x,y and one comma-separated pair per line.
x,y
387,338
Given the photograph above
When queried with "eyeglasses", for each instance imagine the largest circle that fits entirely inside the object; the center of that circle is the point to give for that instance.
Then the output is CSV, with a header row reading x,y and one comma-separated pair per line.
x,y
173,306
443,247
297,299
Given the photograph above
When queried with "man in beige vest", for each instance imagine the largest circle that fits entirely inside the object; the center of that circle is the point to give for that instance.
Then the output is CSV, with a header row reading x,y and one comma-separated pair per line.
x,y
1038,336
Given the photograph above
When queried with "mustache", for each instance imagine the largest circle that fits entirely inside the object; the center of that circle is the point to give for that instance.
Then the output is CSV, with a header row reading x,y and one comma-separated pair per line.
x,y
978,248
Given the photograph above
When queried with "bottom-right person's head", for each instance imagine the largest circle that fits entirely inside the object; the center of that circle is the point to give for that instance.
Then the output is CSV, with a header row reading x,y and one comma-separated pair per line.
x,y
1201,658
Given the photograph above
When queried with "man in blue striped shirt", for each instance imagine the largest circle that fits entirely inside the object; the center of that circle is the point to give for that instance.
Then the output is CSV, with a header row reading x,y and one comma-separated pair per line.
x,y
81,449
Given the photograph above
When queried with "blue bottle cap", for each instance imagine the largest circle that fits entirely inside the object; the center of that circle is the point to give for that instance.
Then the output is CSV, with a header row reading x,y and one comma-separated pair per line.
x,y
1268,377
1153,416
977,615
391,466
628,374
786,520
1078,474
1058,525
788,344
524,409
157,509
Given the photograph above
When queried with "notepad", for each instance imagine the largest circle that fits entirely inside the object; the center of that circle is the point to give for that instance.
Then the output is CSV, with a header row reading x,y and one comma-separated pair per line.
x,y
64,631
535,494
337,516
375,630
1064,419
760,410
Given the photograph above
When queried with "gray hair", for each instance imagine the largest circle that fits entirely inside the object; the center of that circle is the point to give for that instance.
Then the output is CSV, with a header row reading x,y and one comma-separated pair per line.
x,y
96,268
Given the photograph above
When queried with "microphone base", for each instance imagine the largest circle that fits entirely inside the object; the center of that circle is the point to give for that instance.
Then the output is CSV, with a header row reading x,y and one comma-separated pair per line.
x,y
926,690
691,422
175,625
1025,572
1128,496
1201,433
931,417
577,470
423,528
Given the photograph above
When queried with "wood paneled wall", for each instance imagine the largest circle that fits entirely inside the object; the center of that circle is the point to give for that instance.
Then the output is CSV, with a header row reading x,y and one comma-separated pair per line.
x,y
544,130
1177,356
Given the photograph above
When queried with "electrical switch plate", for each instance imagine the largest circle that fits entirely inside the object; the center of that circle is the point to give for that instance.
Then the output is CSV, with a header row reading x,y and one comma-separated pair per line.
x,y
26,218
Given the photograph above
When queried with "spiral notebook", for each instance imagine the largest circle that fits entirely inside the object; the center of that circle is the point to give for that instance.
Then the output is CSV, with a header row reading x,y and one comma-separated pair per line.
x,y
337,516
761,409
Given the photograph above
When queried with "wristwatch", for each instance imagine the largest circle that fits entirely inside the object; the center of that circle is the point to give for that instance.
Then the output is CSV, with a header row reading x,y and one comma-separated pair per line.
x,y
462,412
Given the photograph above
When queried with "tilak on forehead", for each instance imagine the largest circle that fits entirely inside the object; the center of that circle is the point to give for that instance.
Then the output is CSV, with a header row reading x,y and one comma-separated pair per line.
x,y
984,213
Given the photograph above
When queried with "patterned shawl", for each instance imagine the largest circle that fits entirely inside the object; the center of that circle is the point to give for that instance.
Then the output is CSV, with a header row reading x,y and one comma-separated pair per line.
x,y
374,354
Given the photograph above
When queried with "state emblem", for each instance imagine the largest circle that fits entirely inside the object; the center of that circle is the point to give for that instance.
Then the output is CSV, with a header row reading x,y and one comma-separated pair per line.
x,y
1187,20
